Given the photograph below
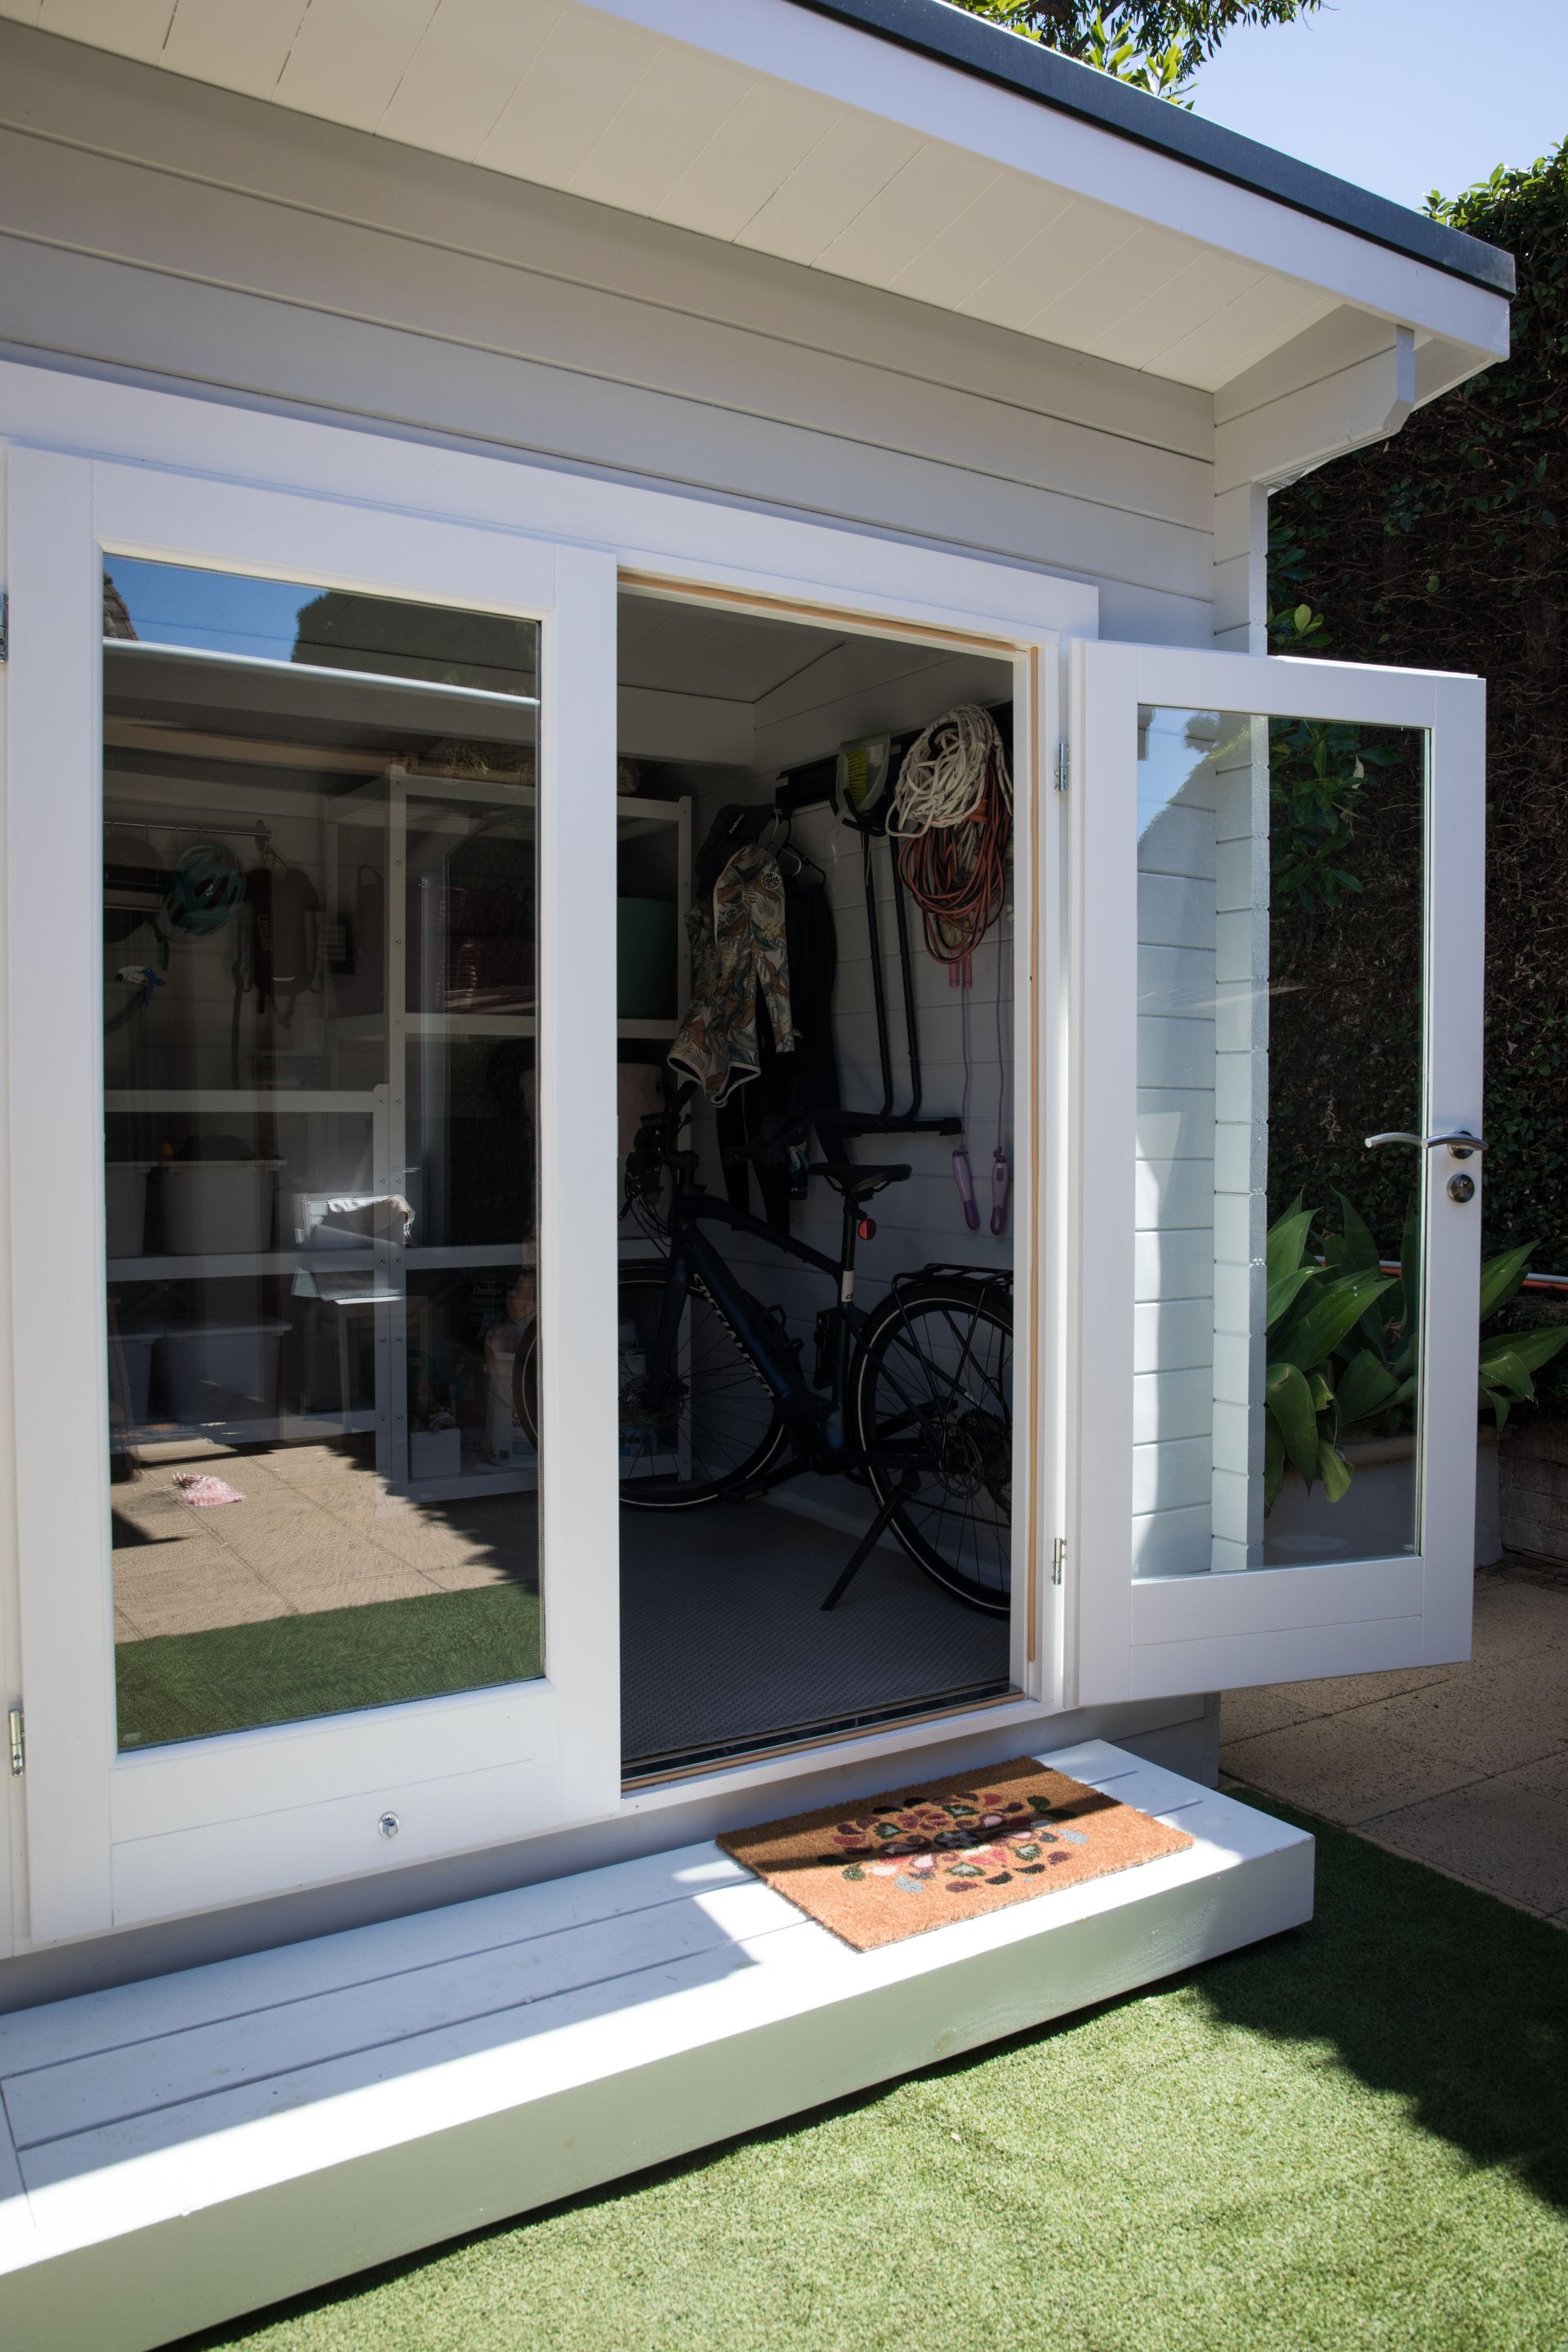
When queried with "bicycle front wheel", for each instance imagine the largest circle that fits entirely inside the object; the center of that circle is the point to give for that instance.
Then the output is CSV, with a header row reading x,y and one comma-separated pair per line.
x,y
711,1423
932,1379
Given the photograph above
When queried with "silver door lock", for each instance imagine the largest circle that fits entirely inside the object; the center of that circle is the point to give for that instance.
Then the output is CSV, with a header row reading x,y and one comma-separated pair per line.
x,y
389,1825
1461,1189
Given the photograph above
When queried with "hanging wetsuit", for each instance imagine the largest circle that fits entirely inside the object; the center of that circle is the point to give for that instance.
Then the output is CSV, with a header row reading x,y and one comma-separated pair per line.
x,y
740,978
794,1091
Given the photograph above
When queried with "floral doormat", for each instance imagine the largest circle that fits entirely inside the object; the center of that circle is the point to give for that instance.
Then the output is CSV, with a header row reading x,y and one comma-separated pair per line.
x,y
892,1866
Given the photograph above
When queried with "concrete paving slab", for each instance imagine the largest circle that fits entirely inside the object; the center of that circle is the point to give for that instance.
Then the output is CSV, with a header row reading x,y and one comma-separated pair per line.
x,y
1342,1766
1516,1620
1491,1719
1495,1731
1502,1834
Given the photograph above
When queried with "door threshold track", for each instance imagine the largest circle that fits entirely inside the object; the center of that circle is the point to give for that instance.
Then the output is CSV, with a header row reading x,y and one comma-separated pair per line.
x,y
644,1772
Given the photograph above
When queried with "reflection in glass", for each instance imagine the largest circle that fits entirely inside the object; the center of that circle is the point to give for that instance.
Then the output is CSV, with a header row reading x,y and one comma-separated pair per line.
x,y
319,972
1280,902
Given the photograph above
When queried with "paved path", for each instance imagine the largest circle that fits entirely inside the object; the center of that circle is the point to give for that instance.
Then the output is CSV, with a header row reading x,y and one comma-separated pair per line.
x,y
1464,1767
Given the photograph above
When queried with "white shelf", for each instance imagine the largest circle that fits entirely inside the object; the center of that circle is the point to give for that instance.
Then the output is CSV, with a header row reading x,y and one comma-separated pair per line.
x,y
370,1028
284,1102
640,812
200,1266
172,1438
455,1254
502,1480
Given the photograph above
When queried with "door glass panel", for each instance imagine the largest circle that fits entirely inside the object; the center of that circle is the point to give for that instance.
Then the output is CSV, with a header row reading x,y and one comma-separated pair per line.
x,y
320,1004
1282,869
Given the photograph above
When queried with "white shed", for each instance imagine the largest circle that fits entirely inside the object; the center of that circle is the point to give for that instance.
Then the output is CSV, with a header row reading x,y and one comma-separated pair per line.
x,y
645,1188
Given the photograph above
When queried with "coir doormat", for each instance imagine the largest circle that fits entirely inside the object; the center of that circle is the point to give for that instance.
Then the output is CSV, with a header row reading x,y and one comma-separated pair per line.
x,y
892,1866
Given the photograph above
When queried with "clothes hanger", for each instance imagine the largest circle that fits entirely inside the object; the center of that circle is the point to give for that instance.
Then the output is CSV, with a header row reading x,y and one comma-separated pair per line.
x,y
785,846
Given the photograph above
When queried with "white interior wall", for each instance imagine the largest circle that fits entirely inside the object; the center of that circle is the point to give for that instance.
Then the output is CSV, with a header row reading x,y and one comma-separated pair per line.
x,y
894,687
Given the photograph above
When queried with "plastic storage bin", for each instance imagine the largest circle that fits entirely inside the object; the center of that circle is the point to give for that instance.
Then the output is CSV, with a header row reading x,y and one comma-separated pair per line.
x,y
125,1205
221,1371
645,959
130,1375
218,1207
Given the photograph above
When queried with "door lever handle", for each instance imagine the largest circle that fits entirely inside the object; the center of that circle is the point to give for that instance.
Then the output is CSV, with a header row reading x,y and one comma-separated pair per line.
x,y
1459,1146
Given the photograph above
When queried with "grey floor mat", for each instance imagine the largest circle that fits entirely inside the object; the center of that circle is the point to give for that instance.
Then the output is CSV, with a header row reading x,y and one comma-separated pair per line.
x,y
724,1640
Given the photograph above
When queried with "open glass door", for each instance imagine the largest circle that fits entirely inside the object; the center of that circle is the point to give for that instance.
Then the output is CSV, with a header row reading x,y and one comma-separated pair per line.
x,y
317,1604
1279,887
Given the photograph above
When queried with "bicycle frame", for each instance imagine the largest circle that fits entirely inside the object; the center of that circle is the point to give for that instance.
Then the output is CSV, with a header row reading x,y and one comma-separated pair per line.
x,y
816,1421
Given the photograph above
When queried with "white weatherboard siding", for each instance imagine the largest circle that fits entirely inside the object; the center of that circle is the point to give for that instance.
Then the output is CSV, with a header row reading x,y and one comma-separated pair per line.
x,y
154,227
1173,1346
184,2149
1203,1141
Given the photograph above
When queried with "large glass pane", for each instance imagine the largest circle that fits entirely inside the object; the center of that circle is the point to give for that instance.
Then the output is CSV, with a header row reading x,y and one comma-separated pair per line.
x,y
320,996
1280,926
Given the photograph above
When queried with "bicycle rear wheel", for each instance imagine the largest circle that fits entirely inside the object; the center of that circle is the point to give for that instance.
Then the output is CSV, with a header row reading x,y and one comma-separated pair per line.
x,y
710,1424
934,1376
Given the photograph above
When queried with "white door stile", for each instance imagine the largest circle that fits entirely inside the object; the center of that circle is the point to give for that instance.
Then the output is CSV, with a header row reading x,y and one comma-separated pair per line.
x,y
1103,805
1024,1662
1167,1637
54,1001
578,1170
1454,991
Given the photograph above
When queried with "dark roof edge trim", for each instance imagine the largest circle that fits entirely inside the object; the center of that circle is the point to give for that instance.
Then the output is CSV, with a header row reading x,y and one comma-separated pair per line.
x,y
958,39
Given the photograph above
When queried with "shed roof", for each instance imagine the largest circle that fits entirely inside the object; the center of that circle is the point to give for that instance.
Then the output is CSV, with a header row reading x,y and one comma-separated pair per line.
x,y
1043,74
900,144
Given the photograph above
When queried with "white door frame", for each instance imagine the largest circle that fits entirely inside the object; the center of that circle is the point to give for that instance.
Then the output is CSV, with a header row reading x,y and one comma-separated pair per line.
x,y
118,1840
1154,1637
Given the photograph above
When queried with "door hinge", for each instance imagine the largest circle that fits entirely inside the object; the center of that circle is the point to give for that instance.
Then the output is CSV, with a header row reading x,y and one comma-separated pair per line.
x,y
5,623
1058,1559
19,1743
1064,767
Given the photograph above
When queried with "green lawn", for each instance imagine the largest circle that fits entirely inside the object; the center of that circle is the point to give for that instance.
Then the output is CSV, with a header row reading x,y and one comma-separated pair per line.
x,y
325,1661
1354,2136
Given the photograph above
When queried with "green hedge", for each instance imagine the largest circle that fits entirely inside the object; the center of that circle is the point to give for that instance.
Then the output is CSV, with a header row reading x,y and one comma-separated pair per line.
x,y
1444,549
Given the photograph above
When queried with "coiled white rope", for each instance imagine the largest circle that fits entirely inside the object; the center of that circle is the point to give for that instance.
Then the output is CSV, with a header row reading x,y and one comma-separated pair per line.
x,y
943,780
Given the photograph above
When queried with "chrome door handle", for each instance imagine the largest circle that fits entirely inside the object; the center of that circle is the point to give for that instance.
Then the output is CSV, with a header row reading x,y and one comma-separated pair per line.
x,y
1459,1146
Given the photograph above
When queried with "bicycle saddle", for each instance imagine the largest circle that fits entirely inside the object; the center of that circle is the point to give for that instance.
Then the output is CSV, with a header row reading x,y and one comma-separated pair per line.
x,y
857,1183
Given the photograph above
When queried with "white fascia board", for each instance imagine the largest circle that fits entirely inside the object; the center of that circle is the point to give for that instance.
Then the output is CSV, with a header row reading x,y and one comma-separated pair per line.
x,y
781,40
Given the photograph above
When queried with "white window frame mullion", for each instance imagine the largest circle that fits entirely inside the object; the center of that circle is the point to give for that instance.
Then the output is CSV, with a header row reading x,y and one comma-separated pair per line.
x,y
578,1165
54,1051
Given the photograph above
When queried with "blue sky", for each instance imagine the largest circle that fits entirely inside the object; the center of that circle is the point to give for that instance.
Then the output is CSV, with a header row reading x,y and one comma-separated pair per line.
x,y
218,610
1399,96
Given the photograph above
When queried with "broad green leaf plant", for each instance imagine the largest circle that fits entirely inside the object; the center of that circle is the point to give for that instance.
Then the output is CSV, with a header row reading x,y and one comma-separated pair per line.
x,y
1344,1339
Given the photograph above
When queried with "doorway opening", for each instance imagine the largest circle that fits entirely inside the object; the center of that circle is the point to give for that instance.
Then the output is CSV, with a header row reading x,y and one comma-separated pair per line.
x,y
817,1098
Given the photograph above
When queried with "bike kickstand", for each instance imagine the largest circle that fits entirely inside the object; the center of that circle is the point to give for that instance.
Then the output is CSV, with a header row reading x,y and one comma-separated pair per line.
x,y
869,1540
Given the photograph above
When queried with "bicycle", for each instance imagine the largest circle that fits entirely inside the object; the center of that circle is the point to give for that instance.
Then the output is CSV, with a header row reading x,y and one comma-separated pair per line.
x,y
913,1399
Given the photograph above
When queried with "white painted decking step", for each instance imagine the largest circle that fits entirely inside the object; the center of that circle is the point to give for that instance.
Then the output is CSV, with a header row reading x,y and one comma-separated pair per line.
x,y
185,2150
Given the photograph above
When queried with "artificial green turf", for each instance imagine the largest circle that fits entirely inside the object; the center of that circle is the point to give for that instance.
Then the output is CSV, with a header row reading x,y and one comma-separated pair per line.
x,y
1355,2135
326,1661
